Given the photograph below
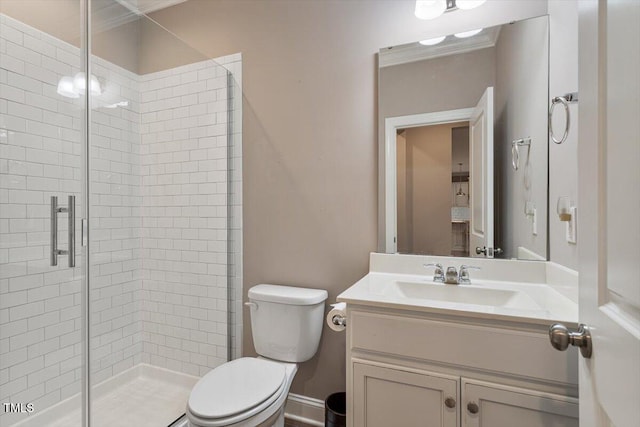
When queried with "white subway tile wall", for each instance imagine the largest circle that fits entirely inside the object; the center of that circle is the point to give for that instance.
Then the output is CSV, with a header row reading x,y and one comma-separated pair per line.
x,y
115,196
185,216
166,218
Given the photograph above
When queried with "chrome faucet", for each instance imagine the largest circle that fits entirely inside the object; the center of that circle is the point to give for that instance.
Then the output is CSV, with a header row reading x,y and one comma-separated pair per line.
x,y
463,276
438,272
452,276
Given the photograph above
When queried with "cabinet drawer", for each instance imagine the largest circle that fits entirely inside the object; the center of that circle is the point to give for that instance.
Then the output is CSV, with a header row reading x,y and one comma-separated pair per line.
x,y
526,354
384,396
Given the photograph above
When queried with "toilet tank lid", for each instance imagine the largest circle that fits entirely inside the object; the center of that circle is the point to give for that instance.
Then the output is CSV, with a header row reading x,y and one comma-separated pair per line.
x,y
287,294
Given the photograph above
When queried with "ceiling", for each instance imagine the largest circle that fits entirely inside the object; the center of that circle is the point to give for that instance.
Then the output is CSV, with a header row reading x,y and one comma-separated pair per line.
x,y
148,6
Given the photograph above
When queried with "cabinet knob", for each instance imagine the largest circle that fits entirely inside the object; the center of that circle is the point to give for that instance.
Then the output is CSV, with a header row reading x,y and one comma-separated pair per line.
x,y
450,402
472,407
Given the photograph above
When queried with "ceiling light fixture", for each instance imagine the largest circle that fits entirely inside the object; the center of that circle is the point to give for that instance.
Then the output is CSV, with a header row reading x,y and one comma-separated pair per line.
x,y
431,9
433,41
466,34
469,4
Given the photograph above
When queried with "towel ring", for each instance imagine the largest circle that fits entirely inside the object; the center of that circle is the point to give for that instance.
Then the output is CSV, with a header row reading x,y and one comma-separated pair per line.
x,y
564,100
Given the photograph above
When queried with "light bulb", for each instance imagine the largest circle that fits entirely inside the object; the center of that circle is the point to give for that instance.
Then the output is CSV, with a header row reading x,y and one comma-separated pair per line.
x,y
466,34
430,9
469,4
433,41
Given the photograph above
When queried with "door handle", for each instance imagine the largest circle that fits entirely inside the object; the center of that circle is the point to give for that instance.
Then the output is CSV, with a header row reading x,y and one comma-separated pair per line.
x,y
561,337
488,251
71,211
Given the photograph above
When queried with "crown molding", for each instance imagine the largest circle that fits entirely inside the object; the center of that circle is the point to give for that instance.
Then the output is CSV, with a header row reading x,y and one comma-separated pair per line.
x,y
412,52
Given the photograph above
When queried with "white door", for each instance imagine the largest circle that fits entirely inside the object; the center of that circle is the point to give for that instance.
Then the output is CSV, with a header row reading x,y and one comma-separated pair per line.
x,y
481,176
608,216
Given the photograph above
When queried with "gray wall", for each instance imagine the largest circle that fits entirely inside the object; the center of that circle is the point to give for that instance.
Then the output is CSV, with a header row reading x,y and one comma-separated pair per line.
x,y
563,159
521,92
310,146
404,224
460,148
439,84
427,172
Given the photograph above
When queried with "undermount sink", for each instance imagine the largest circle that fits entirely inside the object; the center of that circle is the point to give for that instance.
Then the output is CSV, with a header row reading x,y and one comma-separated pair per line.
x,y
461,294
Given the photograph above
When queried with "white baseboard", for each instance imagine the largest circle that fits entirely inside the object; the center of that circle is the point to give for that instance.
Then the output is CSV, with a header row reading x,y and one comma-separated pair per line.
x,y
305,409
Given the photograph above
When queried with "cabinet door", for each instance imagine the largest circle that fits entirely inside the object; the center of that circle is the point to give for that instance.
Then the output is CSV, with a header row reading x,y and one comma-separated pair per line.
x,y
493,405
385,396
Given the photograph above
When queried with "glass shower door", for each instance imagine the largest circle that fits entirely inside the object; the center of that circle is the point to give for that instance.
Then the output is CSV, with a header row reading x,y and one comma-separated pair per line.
x,y
42,176
159,210
120,215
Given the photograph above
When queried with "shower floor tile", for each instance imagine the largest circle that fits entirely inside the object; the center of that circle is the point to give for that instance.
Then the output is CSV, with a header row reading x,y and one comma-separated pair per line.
x,y
141,402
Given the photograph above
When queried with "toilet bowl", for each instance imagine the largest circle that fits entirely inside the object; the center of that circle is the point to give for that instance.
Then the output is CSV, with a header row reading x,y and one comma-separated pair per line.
x,y
252,391
244,392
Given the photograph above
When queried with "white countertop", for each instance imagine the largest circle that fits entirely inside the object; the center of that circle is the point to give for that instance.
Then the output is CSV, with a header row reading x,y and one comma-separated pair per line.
x,y
523,302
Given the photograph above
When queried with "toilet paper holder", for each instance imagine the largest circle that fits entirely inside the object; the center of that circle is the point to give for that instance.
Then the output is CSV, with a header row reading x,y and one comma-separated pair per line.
x,y
339,320
337,317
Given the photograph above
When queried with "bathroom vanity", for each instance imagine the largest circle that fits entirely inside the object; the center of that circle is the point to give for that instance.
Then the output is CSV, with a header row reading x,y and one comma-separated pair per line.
x,y
460,355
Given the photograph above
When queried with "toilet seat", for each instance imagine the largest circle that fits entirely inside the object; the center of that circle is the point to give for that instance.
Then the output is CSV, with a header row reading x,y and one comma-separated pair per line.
x,y
235,391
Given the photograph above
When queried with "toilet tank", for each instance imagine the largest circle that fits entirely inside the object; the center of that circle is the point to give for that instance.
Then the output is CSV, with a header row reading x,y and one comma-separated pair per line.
x,y
286,321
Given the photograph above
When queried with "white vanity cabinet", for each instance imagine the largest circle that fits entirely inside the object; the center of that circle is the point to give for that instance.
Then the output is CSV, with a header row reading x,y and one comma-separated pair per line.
x,y
408,368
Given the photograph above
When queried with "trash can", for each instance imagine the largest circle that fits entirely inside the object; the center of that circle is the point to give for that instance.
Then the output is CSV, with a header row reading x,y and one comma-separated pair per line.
x,y
335,410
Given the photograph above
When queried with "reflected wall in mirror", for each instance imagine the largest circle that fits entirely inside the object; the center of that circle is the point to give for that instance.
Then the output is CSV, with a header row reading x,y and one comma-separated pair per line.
x,y
432,163
463,128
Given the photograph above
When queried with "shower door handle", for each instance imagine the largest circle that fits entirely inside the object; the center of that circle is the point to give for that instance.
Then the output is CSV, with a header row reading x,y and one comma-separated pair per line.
x,y
71,208
71,211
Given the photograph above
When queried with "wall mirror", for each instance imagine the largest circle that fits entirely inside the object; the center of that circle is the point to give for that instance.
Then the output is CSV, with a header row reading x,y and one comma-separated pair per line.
x,y
463,135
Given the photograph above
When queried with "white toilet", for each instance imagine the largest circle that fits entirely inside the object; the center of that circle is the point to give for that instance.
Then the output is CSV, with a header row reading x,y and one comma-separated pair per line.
x,y
286,324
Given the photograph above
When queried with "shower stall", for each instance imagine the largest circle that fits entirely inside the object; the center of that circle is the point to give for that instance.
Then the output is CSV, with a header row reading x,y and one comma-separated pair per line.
x,y
120,214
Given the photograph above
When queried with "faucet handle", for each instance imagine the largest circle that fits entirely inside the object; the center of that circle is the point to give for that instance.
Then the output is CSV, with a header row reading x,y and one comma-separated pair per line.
x,y
438,272
463,275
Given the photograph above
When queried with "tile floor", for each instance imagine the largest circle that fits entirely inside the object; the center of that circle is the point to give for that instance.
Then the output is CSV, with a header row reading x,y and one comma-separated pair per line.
x,y
141,402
